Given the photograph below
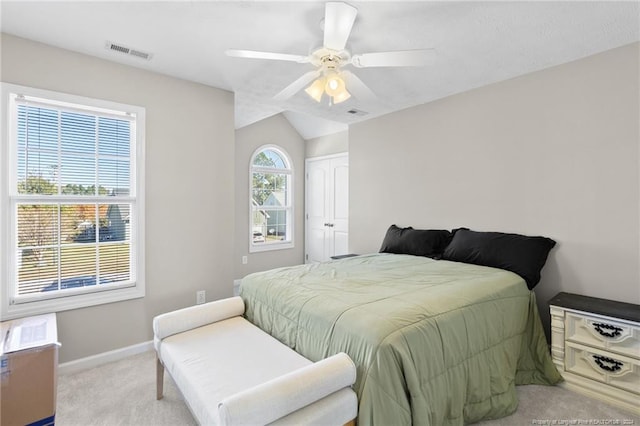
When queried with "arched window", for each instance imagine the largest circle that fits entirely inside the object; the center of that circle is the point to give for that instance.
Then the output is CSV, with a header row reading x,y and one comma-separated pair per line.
x,y
271,200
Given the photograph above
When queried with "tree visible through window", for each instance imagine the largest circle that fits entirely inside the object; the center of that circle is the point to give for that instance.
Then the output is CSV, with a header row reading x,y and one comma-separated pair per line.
x,y
271,203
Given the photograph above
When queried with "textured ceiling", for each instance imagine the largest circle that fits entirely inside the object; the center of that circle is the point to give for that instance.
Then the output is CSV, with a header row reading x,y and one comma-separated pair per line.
x,y
475,44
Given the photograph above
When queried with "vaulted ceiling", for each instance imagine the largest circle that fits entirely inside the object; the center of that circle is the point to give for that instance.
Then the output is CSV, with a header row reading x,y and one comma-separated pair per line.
x,y
474,44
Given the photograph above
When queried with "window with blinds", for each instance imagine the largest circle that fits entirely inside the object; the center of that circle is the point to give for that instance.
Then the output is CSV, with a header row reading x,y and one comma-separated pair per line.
x,y
74,198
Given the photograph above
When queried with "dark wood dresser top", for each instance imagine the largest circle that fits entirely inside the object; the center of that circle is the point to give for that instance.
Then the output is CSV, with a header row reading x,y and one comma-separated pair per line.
x,y
610,308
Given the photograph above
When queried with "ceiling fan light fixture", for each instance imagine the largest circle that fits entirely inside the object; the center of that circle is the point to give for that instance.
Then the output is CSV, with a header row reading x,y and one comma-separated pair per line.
x,y
316,89
335,85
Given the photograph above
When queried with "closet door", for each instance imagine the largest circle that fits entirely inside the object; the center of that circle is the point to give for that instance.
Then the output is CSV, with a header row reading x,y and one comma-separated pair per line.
x,y
327,208
339,207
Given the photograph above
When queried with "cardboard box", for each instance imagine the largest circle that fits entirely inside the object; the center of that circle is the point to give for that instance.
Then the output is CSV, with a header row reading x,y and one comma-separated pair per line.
x,y
28,365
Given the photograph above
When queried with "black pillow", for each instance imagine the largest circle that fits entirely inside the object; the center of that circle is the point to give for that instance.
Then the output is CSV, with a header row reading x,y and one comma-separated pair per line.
x,y
418,242
516,253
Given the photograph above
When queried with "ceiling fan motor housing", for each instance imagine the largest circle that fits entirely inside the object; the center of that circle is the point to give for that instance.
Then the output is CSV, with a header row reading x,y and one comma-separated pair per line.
x,y
328,59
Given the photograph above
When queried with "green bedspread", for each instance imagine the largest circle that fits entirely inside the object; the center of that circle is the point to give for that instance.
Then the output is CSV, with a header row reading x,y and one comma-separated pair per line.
x,y
434,342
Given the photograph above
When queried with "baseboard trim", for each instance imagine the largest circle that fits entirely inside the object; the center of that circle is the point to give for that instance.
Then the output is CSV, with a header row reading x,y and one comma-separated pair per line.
x,y
103,358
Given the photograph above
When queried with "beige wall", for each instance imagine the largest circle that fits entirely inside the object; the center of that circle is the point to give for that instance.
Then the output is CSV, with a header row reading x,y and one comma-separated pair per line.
x,y
335,143
552,153
274,130
189,187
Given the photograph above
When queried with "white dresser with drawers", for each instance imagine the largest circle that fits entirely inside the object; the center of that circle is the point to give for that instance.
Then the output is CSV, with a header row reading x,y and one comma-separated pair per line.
x,y
595,344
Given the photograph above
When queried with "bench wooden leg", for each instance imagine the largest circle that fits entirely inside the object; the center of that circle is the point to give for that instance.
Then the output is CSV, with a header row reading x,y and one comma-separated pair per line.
x,y
159,378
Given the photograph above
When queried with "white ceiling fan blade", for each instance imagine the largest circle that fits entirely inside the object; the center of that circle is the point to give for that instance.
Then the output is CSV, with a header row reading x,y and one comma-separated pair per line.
x,y
338,21
399,58
297,85
357,88
253,54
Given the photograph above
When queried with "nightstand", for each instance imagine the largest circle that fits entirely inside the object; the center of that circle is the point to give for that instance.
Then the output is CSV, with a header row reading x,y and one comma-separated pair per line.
x,y
595,344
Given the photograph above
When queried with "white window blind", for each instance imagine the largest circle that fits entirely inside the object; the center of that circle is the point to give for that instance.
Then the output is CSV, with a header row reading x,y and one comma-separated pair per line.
x,y
73,198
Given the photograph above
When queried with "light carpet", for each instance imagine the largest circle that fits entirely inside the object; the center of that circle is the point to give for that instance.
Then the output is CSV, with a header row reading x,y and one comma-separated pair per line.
x,y
123,393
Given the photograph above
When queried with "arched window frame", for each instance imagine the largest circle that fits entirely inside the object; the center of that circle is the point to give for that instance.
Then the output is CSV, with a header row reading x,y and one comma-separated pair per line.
x,y
268,240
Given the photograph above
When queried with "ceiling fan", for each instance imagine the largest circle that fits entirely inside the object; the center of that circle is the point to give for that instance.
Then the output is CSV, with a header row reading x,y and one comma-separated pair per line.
x,y
329,77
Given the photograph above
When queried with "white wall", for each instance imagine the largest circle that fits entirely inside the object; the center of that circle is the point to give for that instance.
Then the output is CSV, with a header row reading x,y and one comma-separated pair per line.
x,y
553,153
274,130
189,187
335,143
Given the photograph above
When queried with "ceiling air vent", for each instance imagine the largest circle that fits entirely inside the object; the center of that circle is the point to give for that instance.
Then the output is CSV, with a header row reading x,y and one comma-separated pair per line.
x,y
128,51
357,112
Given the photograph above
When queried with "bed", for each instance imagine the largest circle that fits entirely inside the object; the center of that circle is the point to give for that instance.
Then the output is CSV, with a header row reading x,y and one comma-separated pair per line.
x,y
435,342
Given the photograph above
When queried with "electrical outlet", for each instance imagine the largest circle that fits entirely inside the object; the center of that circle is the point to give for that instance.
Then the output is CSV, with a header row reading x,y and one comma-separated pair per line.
x,y
245,260
200,297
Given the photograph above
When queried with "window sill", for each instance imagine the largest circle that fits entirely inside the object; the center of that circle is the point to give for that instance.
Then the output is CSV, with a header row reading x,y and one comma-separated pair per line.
x,y
59,304
257,248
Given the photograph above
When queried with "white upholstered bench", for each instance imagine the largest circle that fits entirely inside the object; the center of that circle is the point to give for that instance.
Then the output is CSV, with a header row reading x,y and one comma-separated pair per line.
x,y
232,373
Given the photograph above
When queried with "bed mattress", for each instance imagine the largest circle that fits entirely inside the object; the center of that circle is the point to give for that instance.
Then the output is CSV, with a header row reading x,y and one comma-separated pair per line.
x,y
435,342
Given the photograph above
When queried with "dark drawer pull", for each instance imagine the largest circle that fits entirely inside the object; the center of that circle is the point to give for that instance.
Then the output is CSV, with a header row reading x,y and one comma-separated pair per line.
x,y
607,364
601,327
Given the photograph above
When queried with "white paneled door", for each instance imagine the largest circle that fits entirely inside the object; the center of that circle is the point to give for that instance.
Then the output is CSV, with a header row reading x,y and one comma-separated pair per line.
x,y
327,207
